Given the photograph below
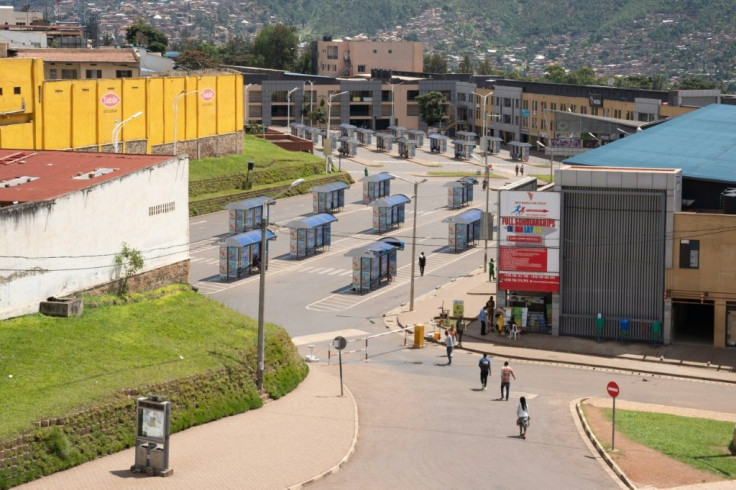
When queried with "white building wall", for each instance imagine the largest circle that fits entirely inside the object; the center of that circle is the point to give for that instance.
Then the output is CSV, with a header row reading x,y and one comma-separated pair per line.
x,y
68,244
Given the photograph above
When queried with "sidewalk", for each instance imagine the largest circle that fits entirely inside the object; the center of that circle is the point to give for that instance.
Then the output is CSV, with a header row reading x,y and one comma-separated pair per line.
x,y
246,451
684,360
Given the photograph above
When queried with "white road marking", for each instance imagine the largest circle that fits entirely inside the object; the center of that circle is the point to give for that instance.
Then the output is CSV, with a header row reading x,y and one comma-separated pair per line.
x,y
327,336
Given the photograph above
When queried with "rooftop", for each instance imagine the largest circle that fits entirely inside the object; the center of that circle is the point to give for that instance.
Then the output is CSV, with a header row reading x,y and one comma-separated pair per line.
x,y
107,55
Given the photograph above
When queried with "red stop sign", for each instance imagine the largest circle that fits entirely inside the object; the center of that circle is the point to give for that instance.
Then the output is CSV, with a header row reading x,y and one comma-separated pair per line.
x,y
612,389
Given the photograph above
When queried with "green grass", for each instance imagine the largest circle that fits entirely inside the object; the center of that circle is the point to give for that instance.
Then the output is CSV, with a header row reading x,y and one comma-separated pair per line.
x,y
262,152
700,443
60,365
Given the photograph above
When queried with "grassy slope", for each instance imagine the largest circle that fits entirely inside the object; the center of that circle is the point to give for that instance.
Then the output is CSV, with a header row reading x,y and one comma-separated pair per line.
x,y
62,364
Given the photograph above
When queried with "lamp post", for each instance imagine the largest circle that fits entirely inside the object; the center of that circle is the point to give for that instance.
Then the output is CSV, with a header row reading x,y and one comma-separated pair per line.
x,y
288,106
247,104
485,98
551,158
329,116
262,286
413,236
118,126
311,100
176,112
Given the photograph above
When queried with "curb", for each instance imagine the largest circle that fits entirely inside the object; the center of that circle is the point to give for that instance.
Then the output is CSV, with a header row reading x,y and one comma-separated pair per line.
x,y
604,454
344,459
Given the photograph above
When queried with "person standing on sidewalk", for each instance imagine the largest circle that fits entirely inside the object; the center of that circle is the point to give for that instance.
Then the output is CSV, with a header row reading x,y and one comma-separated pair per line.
x,y
482,318
517,170
485,369
450,344
422,263
506,374
522,417
491,270
460,330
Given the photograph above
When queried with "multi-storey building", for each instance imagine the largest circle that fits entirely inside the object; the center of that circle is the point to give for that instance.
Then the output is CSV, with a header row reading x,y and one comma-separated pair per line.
x,y
357,57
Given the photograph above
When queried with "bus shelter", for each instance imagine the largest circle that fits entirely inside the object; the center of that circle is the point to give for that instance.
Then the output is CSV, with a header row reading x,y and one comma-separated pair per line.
x,y
397,131
241,254
384,141
466,135
460,193
328,198
373,264
389,212
312,133
298,129
347,130
491,144
407,148
307,235
463,149
464,229
438,143
519,151
364,136
416,135
348,146
376,186
246,215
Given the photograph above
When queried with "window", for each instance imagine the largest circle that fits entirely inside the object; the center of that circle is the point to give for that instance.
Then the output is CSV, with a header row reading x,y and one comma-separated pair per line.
x,y
525,122
617,114
361,68
594,111
67,74
506,102
563,107
583,109
525,104
93,74
161,208
331,52
534,105
16,90
689,254
553,106
573,108
123,73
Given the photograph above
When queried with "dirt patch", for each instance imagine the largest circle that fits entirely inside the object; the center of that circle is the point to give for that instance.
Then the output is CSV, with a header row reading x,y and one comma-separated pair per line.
x,y
642,465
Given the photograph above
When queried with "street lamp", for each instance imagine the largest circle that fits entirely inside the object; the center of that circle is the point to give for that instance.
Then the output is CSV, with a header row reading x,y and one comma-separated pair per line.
x,y
247,104
551,158
176,109
311,100
265,214
288,106
485,97
329,116
118,126
413,236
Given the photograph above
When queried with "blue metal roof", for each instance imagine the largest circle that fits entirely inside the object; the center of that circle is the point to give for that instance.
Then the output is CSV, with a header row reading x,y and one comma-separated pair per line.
x,y
332,186
378,177
389,201
248,203
247,238
370,249
466,217
312,221
702,143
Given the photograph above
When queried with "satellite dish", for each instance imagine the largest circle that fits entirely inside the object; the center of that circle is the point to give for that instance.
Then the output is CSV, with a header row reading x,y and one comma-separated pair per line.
x,y
611,81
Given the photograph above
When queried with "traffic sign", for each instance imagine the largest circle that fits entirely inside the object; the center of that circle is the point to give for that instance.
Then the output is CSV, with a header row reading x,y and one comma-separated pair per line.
x,y
612,389
339,343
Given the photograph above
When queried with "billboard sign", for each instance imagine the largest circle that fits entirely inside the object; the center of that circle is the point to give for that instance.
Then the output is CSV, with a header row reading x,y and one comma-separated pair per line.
x,y
524,281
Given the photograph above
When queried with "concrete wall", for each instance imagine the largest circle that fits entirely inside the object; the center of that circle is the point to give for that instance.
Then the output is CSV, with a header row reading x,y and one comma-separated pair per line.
x,y
69,244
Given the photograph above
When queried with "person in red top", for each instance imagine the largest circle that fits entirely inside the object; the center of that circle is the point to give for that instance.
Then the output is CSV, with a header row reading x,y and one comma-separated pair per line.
x,y
506,374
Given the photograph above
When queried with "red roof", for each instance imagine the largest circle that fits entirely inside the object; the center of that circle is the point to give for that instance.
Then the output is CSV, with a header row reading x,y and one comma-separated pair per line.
x,y
28,175
101,55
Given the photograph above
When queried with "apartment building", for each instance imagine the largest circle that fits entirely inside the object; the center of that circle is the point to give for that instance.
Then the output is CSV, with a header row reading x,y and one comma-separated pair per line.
x,y
357,57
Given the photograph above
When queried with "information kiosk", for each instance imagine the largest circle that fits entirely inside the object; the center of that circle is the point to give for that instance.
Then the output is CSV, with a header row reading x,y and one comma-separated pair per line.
x,y
153,420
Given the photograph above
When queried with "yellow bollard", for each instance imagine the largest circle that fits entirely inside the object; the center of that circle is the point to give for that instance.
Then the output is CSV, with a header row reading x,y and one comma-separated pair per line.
x,y
418,335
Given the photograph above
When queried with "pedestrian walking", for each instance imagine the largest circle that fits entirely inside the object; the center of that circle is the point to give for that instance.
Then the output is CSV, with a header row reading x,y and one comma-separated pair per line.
x,y
522,417
460,331
485,369
506,374
499,323
517,170
422,263
450,344
521,169
365,171
491,270
482,315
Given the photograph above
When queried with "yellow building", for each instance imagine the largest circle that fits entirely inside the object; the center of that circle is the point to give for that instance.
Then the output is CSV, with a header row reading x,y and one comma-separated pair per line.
x,y
199,115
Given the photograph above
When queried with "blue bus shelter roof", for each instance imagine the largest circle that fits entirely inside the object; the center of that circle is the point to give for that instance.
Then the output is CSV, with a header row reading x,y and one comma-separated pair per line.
x,y
466,217
312,221
332,186
437,136
378,177
370,249
247,238
389,201
520,144
249,203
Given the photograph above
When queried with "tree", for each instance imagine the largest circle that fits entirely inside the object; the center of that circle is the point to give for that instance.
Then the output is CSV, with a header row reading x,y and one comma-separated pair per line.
x,y
432,107
236,51
466,65
435,63
484,68
107,39
582,76
193,59
304,63
555,74
127,263
696,83
142,34
275,47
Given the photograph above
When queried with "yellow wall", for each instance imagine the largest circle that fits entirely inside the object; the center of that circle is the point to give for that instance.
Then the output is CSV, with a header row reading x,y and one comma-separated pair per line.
x,y
67,114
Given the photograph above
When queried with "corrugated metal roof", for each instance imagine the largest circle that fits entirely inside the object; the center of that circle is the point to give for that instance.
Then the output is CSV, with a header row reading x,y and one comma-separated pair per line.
x,y
370,249
312,221
63,172
469,216
247,238
378,177
394,200
702,143
248,203
332,186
